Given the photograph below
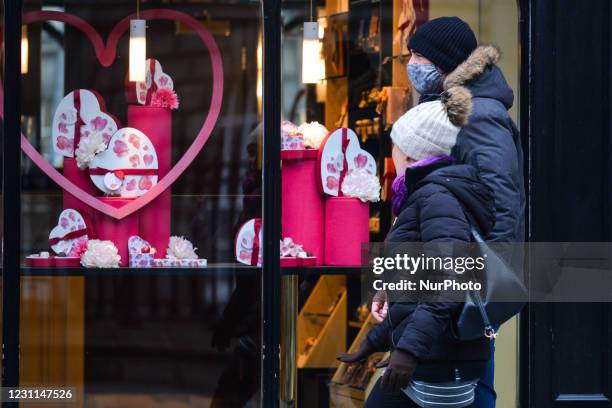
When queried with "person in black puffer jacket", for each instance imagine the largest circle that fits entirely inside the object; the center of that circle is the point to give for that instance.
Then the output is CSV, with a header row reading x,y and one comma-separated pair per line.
x,y
431,199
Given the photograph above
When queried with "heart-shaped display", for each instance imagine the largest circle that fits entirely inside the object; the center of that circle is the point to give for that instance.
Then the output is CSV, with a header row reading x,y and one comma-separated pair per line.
x,y
340,153
136,245
128,167
106,55
69,237
140,253
79,115
155,79
248,243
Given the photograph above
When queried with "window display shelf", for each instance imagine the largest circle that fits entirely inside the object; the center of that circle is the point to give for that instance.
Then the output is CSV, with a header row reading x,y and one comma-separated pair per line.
x,y
212,269
322,270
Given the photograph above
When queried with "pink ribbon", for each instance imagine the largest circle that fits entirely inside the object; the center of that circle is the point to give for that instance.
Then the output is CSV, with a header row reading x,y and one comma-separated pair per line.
x,y
345,143
79,121
70,235
255,254
121,173
153,87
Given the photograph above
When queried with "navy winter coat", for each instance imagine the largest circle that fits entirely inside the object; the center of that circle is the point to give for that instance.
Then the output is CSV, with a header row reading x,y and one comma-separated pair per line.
x,y
490,142
434,211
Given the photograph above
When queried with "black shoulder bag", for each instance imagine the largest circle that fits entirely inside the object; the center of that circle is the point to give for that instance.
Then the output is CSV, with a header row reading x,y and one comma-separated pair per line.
x,y
503,296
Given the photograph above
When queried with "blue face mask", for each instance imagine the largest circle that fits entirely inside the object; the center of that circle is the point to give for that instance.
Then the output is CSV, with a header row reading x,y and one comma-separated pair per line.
x,y
425,78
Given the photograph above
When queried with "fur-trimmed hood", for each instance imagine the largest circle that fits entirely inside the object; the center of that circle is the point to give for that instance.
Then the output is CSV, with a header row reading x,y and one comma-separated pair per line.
x,y
481,75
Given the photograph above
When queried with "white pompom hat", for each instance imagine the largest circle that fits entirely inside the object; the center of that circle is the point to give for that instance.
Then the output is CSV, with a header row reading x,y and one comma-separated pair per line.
x,y
430,129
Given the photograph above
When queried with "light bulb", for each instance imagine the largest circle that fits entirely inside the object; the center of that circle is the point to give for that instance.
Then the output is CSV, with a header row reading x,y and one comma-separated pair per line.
x,y
138,50
313,66
25,49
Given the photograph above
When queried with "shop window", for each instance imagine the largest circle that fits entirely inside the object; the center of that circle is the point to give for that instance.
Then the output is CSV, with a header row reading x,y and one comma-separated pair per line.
x,y
144,136
364,88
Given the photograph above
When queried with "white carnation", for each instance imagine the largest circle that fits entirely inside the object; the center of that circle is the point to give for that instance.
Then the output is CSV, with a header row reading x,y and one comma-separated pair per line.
x,y
313,133
362,185
88,147
100,254
288,248
180,248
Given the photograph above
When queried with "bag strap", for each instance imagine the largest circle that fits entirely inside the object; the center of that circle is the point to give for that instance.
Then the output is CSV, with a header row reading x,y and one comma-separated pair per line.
x,y
489,331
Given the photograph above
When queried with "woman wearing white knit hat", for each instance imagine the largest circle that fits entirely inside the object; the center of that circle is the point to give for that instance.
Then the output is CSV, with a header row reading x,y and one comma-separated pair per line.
x,y
427,366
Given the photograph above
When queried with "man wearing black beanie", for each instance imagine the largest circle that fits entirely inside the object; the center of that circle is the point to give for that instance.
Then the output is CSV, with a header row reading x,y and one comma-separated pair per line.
x,y
445,53
445,41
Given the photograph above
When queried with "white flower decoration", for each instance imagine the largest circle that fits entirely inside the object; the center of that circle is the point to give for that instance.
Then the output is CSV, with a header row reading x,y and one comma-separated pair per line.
x,y
314,133
288,248
100,254
89,146
360,184
180,248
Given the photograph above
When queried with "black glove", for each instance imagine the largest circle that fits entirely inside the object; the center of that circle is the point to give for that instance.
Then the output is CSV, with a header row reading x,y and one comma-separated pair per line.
x,y
383,363
365,350
399,372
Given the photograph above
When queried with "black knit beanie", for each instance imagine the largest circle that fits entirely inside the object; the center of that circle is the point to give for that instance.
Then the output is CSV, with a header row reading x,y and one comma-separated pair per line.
x,y
445,41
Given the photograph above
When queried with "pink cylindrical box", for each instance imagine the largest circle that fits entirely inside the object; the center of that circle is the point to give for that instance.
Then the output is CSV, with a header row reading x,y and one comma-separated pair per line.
x,y
117,231
346,230
303,206
80,179
156,123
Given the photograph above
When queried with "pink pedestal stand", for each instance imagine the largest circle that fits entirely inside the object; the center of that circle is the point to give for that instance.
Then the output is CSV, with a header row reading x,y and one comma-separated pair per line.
x,y
156,123
346,230
118,231
303,205
81,180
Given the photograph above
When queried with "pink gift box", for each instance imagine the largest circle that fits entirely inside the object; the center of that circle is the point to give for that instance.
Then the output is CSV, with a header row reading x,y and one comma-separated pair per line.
x,y
180,263
39,262
346,230
292,262
292,143
53,261
67,261
117,231
302,201
156,123
142,260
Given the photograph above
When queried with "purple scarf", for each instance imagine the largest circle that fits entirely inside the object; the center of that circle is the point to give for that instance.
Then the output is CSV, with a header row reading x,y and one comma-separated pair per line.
x,y
399,187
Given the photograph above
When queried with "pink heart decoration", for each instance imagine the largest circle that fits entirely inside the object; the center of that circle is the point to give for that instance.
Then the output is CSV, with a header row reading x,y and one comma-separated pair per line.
x,y
106,55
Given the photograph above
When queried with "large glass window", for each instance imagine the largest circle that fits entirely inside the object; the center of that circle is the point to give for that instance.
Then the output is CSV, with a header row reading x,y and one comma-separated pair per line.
x,y
141,119
355,77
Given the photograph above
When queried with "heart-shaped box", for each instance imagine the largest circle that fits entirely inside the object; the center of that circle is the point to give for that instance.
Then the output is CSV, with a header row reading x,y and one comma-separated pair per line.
x,y
142,92
128,167
247,245
69,237
105,54
340,153
140,252
79,115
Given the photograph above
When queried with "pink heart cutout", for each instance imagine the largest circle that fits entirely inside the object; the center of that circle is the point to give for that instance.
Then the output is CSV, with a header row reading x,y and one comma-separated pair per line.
x,y
106,55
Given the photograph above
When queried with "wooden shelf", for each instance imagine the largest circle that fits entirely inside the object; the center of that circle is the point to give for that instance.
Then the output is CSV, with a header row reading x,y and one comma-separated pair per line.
x,y
212,269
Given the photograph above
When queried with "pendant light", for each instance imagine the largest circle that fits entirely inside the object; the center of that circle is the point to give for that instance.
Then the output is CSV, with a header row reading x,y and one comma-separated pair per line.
x,y
25,49
313,66
138,47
